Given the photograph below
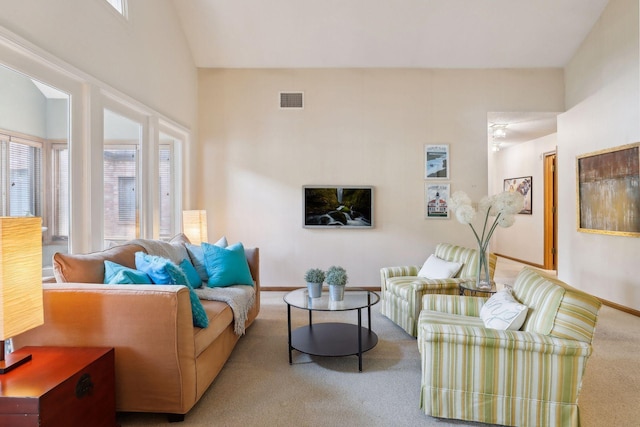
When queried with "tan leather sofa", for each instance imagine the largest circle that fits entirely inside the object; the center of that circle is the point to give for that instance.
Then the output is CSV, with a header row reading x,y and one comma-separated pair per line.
x,y
163,363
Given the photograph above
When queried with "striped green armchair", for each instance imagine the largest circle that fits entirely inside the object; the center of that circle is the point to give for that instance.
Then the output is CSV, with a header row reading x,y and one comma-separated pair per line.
x,y
402,290
526,377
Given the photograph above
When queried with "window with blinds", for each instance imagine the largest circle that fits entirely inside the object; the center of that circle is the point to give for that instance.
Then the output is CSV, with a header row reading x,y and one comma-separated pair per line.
x,y
60,203
121,177
120,195
165,174
21,178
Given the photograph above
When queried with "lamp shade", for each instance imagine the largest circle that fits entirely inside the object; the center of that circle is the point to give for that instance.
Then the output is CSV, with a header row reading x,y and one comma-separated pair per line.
x,y
21,306
194,226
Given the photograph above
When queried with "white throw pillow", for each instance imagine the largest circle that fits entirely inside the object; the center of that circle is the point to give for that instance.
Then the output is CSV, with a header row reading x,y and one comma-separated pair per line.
x,y
437,268
503,312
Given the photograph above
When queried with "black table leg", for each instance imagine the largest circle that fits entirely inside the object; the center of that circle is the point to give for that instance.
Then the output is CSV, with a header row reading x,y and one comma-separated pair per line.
x,y
289,331
369,310
360,339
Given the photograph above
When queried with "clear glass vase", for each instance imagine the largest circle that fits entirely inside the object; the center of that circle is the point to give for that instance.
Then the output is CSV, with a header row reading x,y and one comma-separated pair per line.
x,y
483,278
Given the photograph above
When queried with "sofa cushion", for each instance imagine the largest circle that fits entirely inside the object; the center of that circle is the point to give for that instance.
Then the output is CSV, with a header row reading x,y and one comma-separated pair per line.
x,y
196,255
158,269
226,266
429,316
541,296
220,316
194,279
116,274
503,312
438,268
89,268
164,272
467,257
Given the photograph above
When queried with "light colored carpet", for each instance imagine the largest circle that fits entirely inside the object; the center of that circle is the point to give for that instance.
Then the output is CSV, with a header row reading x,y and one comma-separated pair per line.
x,y
258,387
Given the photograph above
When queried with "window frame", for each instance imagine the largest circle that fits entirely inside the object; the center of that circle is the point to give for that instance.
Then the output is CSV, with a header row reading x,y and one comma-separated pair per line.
x,y
87,98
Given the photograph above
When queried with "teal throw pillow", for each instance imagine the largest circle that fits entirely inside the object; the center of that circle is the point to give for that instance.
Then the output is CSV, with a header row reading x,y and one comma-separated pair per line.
x,y
155,267
178,277
197,256
226,266
121,275
193,278
164,272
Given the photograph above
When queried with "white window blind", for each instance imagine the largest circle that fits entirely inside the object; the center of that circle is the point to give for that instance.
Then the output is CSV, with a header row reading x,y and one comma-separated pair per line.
x,y
60,159
25,172
120,193
165,163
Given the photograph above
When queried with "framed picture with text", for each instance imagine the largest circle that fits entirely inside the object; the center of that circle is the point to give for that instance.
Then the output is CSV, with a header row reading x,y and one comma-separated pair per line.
x,y
436,200
436,161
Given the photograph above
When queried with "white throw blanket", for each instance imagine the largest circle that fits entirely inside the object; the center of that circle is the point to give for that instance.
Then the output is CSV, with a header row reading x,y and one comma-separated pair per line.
x,y
239,297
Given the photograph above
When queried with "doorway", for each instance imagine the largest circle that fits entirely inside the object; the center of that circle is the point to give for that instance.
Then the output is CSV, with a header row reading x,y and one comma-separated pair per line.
x,y
550,212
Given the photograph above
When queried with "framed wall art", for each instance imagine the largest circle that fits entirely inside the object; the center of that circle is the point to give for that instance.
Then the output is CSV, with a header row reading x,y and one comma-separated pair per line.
x,y
436,161
608,191
436,197
524,186
340,206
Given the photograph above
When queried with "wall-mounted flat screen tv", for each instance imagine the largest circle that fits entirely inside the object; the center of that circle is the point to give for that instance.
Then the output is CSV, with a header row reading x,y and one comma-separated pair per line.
x,y
337,206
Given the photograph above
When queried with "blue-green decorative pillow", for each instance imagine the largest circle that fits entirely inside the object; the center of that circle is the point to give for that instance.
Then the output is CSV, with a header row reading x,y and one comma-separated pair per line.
x,y
121,275
197,256
193,278
226,266
164,272
155,267
197,259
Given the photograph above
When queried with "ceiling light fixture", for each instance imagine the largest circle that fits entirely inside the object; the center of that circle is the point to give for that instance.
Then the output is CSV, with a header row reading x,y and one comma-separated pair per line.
x,y
499,130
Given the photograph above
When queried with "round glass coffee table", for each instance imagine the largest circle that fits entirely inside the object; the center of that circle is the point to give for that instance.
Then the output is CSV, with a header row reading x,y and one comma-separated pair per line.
x,y
470,288
332,339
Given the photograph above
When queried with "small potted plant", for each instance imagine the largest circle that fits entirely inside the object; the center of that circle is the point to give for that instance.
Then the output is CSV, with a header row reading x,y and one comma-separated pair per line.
x,y
314,278
337,280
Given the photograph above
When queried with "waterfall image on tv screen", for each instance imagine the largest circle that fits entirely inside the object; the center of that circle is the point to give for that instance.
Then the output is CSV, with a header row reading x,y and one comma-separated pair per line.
x,y
339,206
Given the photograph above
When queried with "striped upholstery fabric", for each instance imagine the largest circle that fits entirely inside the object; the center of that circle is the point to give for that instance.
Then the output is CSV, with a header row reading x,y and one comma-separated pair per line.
x,y
402,291
513,378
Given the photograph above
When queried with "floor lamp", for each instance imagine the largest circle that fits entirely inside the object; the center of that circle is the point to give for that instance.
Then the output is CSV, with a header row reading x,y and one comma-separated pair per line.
x,y
194,226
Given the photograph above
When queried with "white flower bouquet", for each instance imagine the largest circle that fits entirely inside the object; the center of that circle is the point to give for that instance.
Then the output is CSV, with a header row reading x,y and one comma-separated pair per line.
x,y
501,207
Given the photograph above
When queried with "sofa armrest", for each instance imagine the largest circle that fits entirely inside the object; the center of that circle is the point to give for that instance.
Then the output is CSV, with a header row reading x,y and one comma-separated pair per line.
x,y
150,327
388,272
510,341
453,304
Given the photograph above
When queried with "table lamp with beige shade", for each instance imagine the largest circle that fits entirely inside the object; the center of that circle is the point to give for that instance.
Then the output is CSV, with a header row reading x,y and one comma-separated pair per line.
x,y
21,302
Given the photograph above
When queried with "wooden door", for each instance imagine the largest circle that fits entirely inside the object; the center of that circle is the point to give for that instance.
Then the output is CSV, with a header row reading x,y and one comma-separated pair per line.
x,y
550,212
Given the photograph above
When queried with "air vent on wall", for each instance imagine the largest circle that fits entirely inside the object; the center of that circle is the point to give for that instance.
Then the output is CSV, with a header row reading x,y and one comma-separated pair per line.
x,y
291,100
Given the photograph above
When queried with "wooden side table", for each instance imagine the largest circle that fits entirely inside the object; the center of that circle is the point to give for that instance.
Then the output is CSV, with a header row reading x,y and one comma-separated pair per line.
x,y
60,386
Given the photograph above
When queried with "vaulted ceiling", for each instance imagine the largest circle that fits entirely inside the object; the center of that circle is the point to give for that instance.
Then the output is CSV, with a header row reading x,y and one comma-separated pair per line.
x,y
392,34
386,33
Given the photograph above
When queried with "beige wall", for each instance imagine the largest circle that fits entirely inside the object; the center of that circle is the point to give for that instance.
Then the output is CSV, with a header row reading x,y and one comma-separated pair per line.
x,y
358,127
524,240
603,111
